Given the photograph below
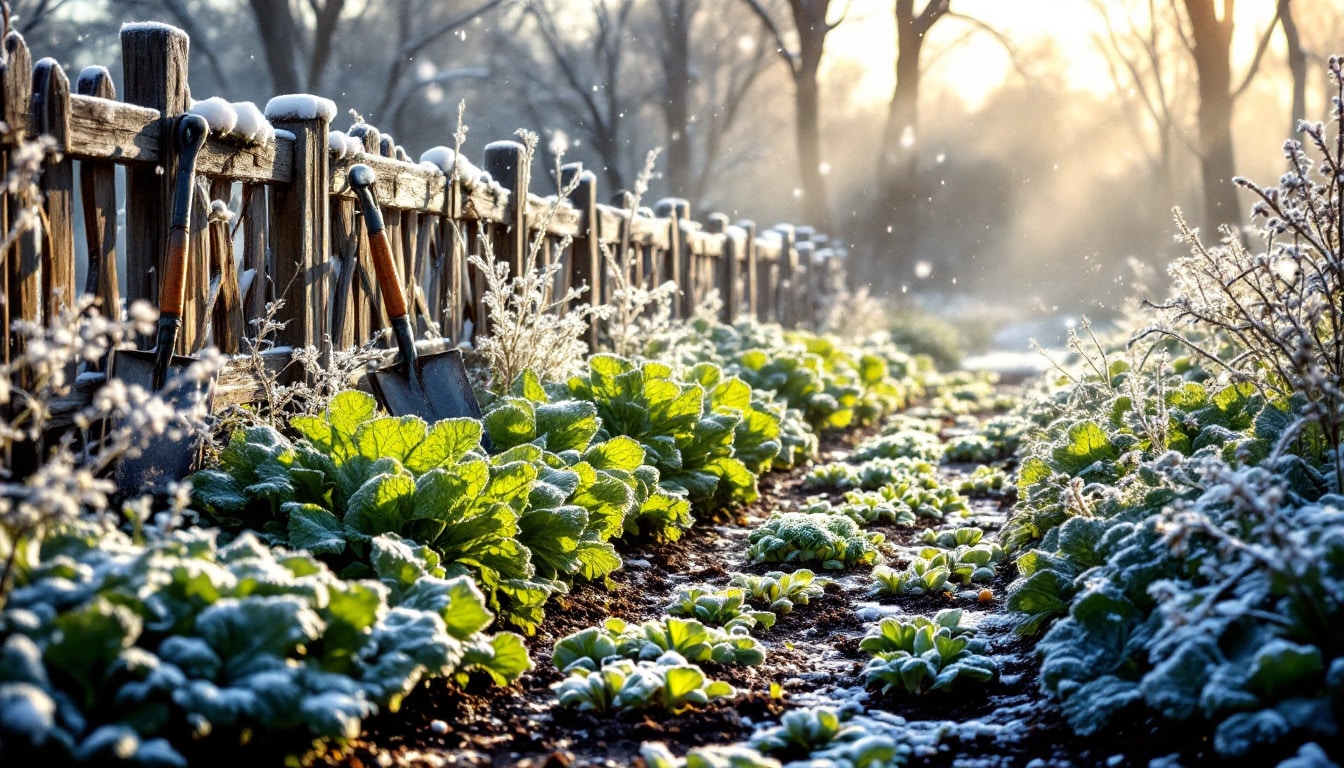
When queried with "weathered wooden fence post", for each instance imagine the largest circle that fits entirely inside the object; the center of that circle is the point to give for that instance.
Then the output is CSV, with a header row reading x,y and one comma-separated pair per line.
x,y
786,313
98,197
504,161
727,274
678,267
50,116
585,266
23,271
752,289
300,237
154,74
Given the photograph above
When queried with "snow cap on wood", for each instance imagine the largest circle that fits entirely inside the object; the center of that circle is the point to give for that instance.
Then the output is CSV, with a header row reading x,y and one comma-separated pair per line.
x,y
300,106
219,114
250,123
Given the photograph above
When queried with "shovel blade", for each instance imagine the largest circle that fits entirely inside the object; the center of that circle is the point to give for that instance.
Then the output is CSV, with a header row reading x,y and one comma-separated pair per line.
x,y
166,457
441,389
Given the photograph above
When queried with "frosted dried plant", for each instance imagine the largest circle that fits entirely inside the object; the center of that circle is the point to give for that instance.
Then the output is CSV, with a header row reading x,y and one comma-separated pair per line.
x,y
855,314
530,327
1276,319
638,311
46,481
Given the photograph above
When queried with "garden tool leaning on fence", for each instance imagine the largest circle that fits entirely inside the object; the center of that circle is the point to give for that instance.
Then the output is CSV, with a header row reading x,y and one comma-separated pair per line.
x,y
169,456
433,387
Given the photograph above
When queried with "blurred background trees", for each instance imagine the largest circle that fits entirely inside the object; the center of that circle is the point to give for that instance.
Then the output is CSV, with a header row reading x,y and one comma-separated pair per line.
x,y
1007,150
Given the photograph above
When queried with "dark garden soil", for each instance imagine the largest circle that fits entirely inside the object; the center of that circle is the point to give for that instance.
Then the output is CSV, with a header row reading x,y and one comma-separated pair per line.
x,y
812,654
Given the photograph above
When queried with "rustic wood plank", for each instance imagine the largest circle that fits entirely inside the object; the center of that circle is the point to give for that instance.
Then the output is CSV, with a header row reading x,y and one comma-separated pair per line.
x,y
49,115
345,248
749,255
504,161
585,266
23,272
301,240
726,276
195,304
154,74
101,129
226,312
255,236
98,198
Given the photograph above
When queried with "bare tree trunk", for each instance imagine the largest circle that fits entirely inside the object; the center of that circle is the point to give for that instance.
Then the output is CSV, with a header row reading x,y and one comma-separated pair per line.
x,y
897,213
1297,64
280,39
1212,52
675,50
807,125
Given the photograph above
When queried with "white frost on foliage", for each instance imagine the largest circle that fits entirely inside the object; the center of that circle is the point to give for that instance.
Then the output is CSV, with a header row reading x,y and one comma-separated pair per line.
x,y
251,123
218,113
300,106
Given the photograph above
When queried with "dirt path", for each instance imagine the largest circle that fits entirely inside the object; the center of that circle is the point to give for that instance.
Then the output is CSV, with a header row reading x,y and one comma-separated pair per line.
x,y
813,653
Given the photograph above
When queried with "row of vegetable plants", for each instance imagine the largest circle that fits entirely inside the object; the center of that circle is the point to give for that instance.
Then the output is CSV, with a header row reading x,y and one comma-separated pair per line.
x,y
1180,533
345,555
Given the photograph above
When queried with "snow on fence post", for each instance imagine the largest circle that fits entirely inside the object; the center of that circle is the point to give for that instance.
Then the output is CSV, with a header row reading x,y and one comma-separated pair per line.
x,y
585,266
726,276
98,198
752,289
23,273
49,115
154,74
300,234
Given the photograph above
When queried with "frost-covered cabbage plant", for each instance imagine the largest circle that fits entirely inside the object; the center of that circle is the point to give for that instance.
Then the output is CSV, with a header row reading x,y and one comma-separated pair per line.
x,y
1221,614
1277,318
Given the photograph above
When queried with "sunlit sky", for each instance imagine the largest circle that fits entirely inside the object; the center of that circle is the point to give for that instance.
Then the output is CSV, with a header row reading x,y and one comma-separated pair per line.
x,y
868,38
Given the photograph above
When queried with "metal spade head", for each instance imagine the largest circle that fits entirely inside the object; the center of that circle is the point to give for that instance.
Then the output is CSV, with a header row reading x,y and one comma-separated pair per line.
x,y
433,387
169,456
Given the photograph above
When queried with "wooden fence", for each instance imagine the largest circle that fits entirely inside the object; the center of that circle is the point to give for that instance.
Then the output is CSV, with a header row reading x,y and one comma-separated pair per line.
x,y
295,234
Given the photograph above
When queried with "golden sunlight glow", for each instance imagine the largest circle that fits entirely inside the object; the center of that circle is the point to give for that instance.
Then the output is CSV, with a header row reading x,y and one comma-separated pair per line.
x,y
978,63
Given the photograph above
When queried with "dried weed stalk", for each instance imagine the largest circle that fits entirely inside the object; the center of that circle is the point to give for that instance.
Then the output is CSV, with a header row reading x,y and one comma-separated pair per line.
x,y
1276,318
638,312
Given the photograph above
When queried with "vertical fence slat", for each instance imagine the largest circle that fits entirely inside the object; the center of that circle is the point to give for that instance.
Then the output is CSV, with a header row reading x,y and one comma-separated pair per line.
x,y
726,276
301,240
24,270
751,289
50,116
154,74
255,237
195,312
345,246
504,163
585,265
98,198
226,314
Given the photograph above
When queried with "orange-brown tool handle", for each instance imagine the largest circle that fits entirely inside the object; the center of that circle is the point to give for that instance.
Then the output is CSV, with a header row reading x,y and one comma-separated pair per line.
x,y
388,280
174,285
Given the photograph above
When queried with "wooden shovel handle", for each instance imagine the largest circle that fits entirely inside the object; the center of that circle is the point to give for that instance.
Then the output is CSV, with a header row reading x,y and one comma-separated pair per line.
x,y
362,178
174,285
389,282
189,136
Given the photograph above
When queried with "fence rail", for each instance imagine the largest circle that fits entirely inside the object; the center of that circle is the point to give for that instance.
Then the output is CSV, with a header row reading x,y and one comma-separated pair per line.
x,y
291,231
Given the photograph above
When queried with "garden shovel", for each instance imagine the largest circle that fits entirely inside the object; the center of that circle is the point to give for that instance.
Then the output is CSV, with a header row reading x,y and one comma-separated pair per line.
x,y
433,387
166,458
